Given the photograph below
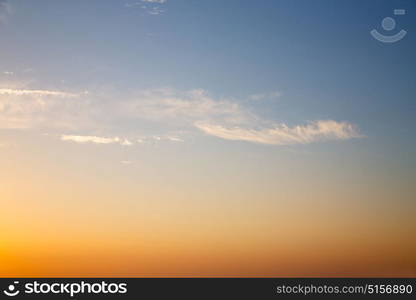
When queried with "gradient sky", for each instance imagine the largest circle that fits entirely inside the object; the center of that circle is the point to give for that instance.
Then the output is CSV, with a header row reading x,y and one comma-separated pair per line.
x,y
206,138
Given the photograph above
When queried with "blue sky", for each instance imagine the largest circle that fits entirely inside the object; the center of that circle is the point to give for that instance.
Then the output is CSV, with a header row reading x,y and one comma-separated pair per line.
x,y
313,52
307,60
301,61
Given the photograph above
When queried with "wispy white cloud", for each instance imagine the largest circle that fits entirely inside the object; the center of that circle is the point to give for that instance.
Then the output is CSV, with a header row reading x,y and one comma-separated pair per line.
x,y
155,1
169,104
120,140
83,139
167,109
155,11
174,139
21,92
163,138
282,134
96,139
31,108
152,7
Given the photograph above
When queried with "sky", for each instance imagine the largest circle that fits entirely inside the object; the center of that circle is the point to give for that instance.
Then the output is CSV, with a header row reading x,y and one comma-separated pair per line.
x,y
206,138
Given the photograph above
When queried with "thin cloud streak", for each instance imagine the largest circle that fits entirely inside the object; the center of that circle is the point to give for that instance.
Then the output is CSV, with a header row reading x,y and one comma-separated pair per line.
x,y
284,135
149,6
95,139
18,92
155,1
